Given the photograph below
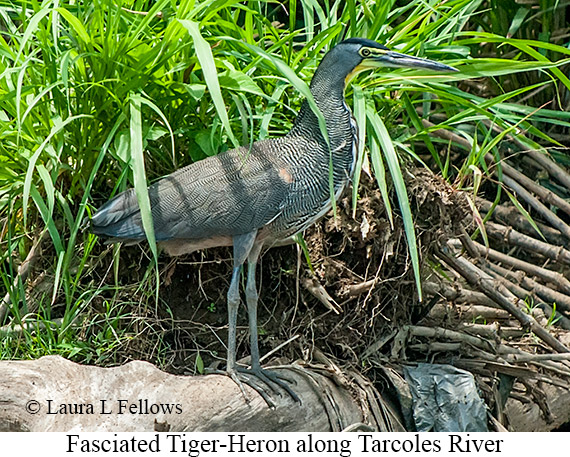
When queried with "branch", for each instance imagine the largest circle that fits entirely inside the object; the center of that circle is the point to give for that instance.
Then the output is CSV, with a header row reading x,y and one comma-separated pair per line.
x,y
500,295
551,167
547,275
512,216
457,294
501,232
523,294
556,222
545,293
547,195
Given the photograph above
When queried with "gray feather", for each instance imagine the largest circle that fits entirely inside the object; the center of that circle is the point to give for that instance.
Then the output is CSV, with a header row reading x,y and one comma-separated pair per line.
x,y
281,185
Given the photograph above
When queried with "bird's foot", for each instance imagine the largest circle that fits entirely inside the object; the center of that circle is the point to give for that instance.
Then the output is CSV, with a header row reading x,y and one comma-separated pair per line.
x,y
265,382
238,378
260,380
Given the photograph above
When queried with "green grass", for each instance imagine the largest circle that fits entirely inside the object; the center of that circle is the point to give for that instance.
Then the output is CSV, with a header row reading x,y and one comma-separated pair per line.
x,y
95,98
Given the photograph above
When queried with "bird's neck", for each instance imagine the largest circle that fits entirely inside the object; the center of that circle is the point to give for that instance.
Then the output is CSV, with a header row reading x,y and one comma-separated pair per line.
x,y
327,88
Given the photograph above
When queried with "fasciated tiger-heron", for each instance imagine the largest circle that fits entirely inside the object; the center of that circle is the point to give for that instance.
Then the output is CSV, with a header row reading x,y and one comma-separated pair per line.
x,y
259,195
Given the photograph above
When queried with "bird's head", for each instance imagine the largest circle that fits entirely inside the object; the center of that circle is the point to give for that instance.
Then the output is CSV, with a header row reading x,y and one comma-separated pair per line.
x,y
361,54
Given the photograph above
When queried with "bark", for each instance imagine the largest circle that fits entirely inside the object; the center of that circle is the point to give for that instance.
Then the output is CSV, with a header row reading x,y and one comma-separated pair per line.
x,y
529,417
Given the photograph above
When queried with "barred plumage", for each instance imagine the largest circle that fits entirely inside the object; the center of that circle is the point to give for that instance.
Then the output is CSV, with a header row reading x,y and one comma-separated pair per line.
x,y
279,185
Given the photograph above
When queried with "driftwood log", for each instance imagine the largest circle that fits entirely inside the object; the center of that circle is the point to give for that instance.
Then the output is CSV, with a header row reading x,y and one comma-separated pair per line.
x,y
54,394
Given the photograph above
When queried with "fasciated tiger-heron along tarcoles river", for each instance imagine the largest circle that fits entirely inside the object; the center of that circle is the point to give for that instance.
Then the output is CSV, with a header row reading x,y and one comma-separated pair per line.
x,y
256,196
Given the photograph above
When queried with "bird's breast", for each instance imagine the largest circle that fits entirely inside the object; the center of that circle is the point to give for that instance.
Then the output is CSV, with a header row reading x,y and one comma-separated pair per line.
x,y
308,177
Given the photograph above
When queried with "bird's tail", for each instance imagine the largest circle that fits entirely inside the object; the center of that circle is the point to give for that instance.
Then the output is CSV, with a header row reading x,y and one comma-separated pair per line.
x,y
119,218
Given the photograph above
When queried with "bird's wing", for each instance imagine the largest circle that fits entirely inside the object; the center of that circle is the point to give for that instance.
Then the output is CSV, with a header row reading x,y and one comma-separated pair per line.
x,y
232,193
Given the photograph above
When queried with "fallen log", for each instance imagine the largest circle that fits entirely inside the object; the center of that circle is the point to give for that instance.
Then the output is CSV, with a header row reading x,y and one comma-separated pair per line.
x,y
529,417
54,394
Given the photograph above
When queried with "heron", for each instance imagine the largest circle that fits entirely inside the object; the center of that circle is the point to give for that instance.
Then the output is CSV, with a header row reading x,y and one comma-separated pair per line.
x,y
256,196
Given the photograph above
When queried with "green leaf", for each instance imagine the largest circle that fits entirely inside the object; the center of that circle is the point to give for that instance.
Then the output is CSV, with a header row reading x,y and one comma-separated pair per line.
x,y
196,91
139,173
158,111
393,163
417,123
31,30
360,117
47,218
524,212
301,242
76,24
32,163
380,174
239,81
209,143
518,20
206,59
199,364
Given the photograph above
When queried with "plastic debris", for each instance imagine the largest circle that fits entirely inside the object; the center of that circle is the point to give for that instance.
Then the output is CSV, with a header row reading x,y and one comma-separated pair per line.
x,y
445,399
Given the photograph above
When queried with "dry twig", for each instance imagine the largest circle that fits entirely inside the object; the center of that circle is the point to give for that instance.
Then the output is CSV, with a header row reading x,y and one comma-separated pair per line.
x,y
545,293
547,275
500,295
556,222
512,216
511,236
457,294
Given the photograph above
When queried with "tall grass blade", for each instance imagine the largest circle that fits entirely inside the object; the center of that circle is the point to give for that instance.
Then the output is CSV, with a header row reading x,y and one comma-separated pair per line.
x,y
139,173
206,59
360,117
393,163
32,163
380,175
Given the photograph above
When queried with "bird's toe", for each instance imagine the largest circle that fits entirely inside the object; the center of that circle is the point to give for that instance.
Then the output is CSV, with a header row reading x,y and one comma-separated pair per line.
x,y
270,378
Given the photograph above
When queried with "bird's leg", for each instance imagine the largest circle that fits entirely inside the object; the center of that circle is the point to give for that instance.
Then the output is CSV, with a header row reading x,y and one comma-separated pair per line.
x,y
246,248
268,377
252,298
233,305
242,247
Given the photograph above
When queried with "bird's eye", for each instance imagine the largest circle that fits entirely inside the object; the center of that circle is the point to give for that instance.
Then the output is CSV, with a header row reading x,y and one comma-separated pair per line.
x,y
365,52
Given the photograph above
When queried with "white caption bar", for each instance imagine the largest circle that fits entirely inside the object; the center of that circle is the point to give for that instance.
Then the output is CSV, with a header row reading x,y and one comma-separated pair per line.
x,y
281,444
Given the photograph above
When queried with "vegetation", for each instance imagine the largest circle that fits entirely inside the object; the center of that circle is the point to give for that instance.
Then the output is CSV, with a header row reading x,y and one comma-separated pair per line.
x,y
96,97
